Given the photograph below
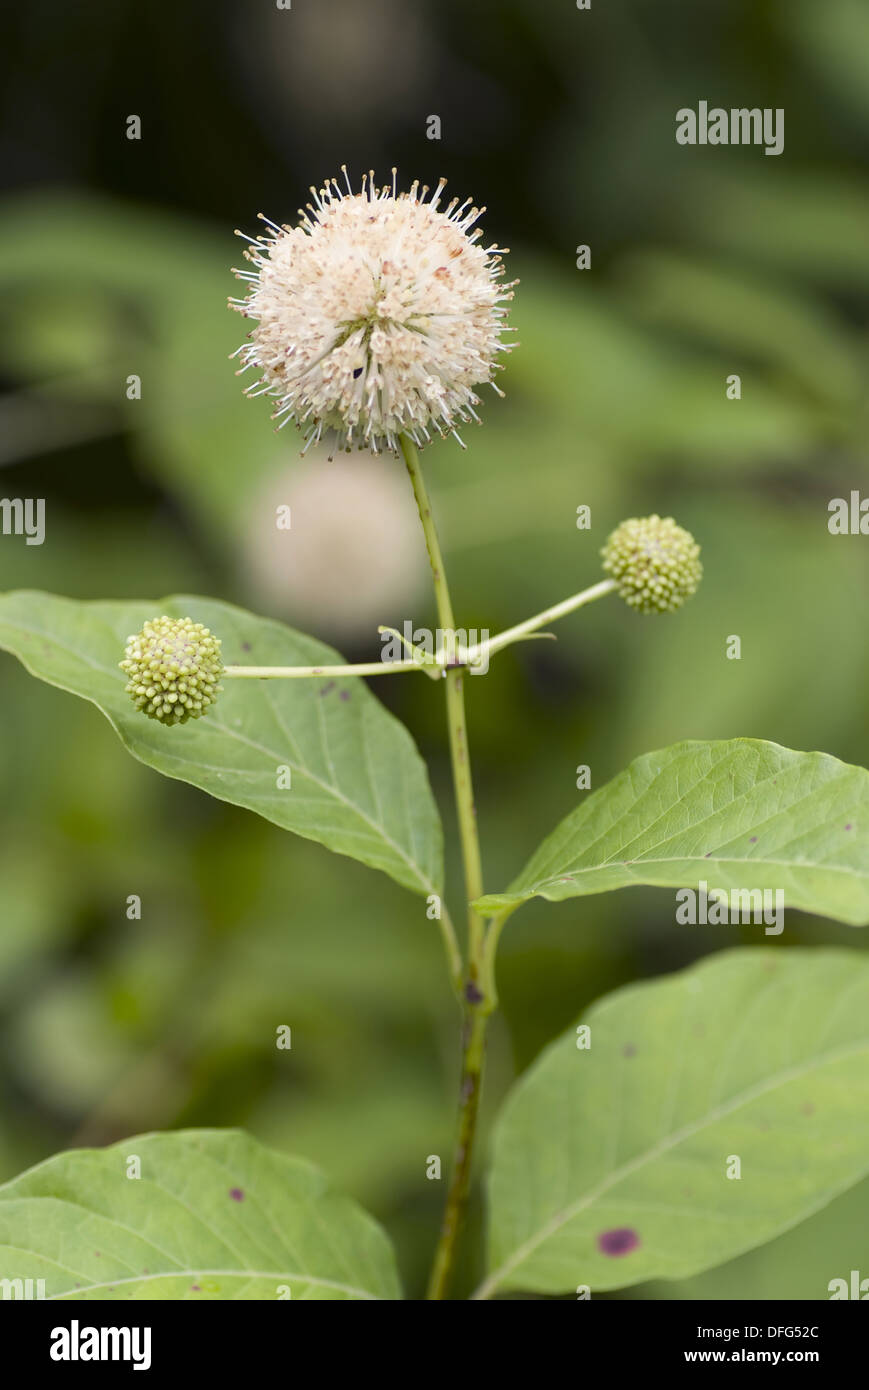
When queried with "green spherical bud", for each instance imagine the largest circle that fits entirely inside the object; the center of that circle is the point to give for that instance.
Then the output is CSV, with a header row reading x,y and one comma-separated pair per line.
x,y
655,563
174,668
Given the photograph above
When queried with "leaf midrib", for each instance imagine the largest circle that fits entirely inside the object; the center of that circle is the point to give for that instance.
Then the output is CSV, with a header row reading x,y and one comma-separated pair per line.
x,y
662,1146
734,802
688,858
246,1274
421,876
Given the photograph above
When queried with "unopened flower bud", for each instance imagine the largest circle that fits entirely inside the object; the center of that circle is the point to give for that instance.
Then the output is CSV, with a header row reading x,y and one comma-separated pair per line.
x,y
174,668
655,563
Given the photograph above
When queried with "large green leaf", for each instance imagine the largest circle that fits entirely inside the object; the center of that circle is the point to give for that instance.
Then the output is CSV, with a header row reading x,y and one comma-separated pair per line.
x,y
358,784
801,1263
738,814
214,1215
610,1163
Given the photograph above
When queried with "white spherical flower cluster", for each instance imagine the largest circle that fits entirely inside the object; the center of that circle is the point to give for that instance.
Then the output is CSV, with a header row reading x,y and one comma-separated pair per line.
x,y
352,559
377,315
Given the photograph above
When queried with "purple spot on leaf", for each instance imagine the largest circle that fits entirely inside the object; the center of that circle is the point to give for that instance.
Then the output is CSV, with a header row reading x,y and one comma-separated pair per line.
x,y
245,646
621,1241
236,1194
849,826
752,839
629,1050
708,856
196,1288
327,688
345,695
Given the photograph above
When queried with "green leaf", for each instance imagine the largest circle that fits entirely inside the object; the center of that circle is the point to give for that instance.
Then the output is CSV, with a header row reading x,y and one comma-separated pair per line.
x,y
624,1147
214,1215
359,785
738,814
799,1264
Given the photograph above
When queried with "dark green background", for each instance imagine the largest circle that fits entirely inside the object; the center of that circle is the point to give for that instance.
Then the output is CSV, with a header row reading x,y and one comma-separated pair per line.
x,y
114,259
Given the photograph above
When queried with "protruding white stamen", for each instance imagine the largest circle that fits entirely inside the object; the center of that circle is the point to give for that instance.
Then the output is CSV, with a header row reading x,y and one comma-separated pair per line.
x,y
377,314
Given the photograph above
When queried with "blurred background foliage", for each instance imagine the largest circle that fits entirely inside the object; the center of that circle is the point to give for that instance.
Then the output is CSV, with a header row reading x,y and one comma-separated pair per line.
x,y
114,259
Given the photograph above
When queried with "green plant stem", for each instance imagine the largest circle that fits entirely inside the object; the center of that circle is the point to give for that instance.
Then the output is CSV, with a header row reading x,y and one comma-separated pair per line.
x,y
369,668
530,625
433,666
454,955
476,989
477,1004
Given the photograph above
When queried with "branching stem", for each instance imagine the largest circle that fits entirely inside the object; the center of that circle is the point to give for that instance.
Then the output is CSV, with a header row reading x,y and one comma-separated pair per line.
x,y
477,1004
474,982
367,668
433,666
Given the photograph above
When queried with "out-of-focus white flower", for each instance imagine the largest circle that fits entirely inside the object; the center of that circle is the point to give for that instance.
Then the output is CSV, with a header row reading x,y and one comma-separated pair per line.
x,y
350,559
378,315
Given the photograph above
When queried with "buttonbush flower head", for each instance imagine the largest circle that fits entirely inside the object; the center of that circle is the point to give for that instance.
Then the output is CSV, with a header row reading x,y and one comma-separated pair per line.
x,y
378,314
174,668
338,574
655,563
